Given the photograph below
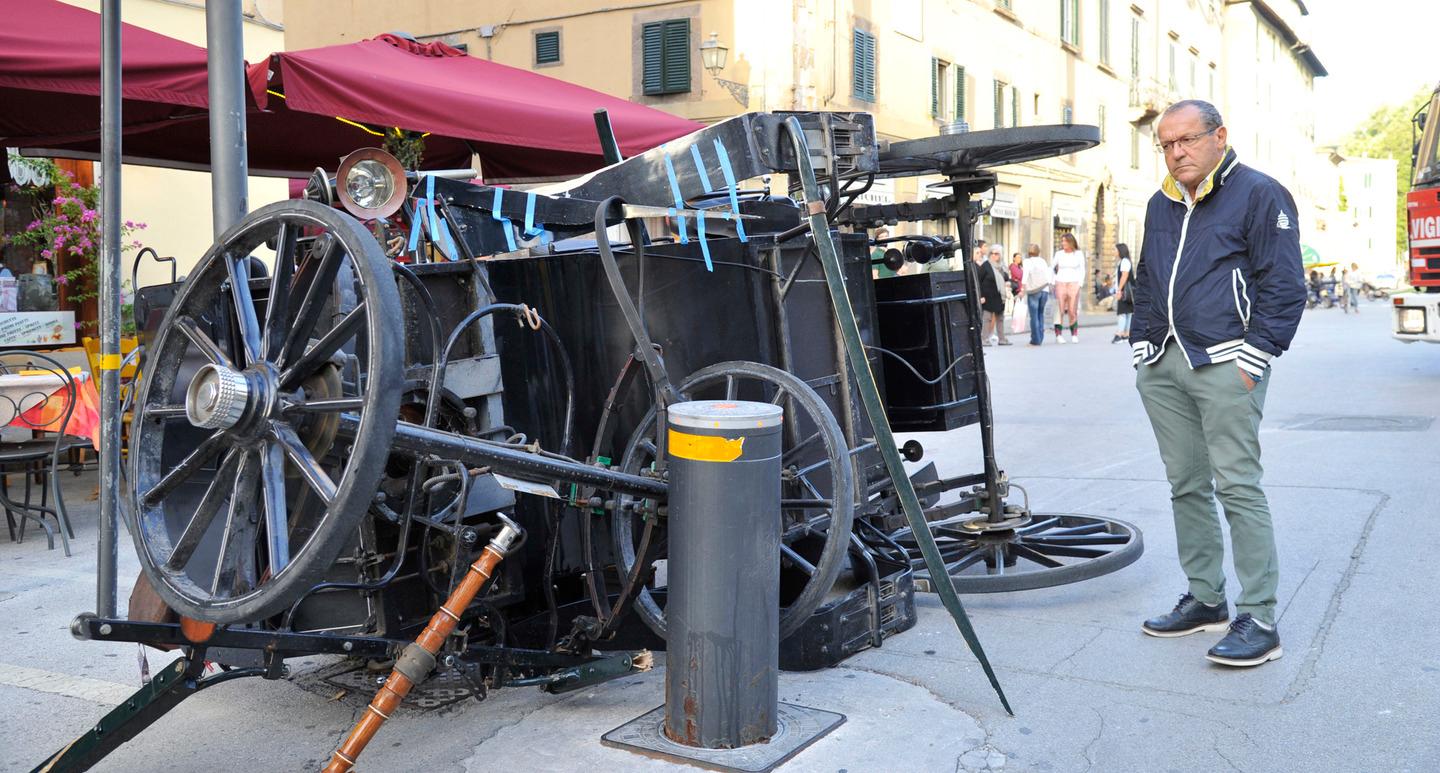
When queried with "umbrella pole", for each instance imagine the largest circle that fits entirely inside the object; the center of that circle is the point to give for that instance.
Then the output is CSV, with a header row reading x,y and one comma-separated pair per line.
x,y
109,304
225,56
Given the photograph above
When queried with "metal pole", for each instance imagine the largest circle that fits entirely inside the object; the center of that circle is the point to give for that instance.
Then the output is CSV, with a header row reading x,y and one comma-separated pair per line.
x,y
723,612
229,168
109,304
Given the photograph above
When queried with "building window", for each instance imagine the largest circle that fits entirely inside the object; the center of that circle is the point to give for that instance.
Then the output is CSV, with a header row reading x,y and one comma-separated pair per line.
x,y
1105,32
961,96
1000,103
1212,81
1194,81
1135,47
667,57
864,66
547,47
1014,105
1003,4
1134,147
1067,114
939,95
1070,22
1100,119
1174,83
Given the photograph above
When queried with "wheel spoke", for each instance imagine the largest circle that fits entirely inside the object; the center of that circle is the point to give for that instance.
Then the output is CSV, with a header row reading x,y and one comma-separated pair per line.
x,y
328,405
326,347
965,561
203,342
235,565
798,560
1038,526
277,306
277,527
166,411
1070,551
239,268
205,512
1079,539
1088,528
797,448
309,468
187,467
318,278
730,387
1035,556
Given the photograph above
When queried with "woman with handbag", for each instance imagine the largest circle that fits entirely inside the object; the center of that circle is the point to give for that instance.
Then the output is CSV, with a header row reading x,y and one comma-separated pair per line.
x,y
1124,294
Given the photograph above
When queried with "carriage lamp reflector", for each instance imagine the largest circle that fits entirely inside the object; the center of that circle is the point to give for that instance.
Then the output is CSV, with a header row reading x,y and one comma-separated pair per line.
x,y
1412,320
216,397
371,183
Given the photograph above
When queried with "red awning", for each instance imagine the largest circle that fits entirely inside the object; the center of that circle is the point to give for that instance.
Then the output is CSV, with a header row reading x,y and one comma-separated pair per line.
x,y
522,124
50,74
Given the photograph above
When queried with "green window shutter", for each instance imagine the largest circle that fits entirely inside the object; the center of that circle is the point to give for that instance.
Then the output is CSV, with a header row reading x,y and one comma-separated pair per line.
x,y
1014,105
547,47
666,57
653,60
1105,32
677,56
959,93
864,66
934,87
999,104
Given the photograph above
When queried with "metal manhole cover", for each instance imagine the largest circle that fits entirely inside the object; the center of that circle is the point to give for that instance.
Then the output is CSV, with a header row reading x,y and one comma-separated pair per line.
x,y
1360,423
441,689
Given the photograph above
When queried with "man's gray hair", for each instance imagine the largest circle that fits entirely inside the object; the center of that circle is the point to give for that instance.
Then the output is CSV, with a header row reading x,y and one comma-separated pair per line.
x,y
1208,114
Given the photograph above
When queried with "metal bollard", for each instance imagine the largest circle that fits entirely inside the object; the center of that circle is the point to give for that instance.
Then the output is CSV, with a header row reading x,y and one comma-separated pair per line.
x,y
723,607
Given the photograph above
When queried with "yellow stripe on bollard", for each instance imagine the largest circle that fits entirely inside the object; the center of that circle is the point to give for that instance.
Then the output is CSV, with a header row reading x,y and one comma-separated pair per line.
x,y
705,448
110,361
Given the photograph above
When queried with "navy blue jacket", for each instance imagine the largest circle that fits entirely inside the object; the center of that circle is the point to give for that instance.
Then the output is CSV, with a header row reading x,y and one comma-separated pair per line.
x,y
1220,277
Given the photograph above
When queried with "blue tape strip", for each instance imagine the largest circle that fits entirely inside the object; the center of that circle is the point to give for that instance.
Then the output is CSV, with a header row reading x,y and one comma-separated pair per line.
x,y
730,185
415,225
439,232
530,230
704,245
679,200
504,221
432,220
700,167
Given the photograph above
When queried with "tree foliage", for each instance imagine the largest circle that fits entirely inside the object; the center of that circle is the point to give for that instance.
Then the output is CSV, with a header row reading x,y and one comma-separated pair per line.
x,y
1387,134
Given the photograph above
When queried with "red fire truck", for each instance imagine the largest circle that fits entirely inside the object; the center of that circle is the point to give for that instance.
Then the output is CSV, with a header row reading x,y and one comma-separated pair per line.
x,y
1417,314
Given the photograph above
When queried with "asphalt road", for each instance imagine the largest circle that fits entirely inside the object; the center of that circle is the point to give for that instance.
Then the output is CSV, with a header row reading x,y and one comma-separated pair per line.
x,y
1349,454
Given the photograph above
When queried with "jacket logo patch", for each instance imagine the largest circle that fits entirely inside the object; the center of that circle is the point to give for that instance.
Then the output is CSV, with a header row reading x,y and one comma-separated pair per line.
x,y
1282,222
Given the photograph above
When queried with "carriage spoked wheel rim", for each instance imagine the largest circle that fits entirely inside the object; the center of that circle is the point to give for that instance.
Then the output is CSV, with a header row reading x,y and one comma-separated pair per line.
x,y
1025,551
817,488
242,488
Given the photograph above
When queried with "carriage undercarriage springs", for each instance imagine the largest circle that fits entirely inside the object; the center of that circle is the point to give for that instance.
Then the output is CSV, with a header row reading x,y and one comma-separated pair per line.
x,y
336,418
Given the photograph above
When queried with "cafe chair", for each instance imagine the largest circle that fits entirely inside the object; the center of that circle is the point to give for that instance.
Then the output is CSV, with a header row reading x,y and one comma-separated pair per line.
x,y
39,455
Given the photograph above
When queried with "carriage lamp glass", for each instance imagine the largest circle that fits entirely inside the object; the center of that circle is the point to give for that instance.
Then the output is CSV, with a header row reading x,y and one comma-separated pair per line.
x,y
713,53
369,184
1412,320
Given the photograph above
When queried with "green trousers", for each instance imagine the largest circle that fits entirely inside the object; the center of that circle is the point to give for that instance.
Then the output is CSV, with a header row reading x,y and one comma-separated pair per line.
x,y
1207,425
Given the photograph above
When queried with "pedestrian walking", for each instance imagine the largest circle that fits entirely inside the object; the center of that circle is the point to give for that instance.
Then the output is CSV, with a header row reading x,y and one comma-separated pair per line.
x,y
1219,291
994,286
1354,283
1038,280
1124,294
1069,266
1016,313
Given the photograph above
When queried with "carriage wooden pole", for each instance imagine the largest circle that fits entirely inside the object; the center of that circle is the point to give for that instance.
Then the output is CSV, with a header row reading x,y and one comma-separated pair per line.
x,y
418,660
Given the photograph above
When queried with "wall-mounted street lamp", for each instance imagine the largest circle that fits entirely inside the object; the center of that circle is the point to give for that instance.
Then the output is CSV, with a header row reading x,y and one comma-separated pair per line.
x,y
712,56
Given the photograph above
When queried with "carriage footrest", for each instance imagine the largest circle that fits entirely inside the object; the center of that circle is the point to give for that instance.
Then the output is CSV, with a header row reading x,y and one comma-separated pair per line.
x,y
857,621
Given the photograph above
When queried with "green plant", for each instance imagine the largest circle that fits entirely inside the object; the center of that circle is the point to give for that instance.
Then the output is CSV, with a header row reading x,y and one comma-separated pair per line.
x,y
68,230
406,146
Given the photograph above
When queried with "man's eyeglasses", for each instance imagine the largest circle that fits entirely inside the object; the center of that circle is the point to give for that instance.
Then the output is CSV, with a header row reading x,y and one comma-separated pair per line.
x,y
1187,142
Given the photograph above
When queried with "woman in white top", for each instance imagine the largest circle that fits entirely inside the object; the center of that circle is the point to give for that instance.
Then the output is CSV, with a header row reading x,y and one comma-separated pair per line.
x,y
1069,267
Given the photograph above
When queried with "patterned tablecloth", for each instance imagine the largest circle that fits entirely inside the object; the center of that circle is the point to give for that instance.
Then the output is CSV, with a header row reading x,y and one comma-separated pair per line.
x,y
36,400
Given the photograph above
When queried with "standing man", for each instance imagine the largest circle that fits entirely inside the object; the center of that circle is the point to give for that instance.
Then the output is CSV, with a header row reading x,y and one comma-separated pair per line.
x,y
1037,277
1218,293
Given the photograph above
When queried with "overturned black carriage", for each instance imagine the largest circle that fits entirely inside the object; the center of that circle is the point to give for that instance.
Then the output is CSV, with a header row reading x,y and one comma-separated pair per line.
x,y
337,414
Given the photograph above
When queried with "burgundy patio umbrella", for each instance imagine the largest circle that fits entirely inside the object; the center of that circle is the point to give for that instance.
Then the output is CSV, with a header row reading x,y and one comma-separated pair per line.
x,y
312,107
521,124
50,75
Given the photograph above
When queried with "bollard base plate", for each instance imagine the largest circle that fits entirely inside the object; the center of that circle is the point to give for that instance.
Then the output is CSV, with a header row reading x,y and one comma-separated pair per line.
x,y
796,728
